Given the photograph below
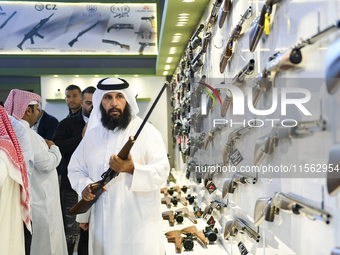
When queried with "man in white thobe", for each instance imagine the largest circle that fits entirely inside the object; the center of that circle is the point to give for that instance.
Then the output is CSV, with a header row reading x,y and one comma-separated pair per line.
x,y
48,230
126,219
14,196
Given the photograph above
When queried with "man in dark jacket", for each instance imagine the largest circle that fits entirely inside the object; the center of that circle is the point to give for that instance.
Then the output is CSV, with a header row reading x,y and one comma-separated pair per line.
x,y
68,135
73,99
46,125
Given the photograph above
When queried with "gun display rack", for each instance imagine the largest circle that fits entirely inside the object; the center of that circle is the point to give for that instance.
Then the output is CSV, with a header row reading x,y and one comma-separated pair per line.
x,y
268,60
78,28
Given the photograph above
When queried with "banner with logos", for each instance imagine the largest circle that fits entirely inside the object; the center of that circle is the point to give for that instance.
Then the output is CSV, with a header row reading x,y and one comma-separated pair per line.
x,y
77,28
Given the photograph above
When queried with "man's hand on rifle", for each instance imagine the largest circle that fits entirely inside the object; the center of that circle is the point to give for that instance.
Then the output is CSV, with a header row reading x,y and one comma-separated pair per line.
x,y
119,165
87,194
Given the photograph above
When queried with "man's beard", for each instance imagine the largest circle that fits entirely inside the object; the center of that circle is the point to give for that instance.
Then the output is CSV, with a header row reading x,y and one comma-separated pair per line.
x,y
121,121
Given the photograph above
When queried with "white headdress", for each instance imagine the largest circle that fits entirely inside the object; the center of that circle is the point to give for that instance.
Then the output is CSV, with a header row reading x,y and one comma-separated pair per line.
x,y
110,85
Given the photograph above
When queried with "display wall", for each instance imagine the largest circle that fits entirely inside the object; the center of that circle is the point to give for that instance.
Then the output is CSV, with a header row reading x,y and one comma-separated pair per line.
x,y
295,213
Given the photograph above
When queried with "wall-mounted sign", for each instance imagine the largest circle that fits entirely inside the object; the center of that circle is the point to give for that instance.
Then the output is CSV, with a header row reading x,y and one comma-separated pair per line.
x,y
77,28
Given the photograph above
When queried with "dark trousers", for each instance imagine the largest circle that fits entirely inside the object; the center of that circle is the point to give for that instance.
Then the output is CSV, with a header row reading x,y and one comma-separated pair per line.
x,y
28,239
72,229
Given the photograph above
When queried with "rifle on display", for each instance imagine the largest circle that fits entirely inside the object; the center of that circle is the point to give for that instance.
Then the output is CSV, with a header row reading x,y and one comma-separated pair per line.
x,y
151,19
233,137
198,91
198,144
97,188
231,184
212,99
210,233
234,36
34,32
171,217
201,239
333,67
5,22
233,227
189,215
82,32
175,236
266,208
142,34
248,69
333,175
143,45
283,61
224,10
212,134
127,47
120,26
168,200
215,204
265,145
226,102
260,23
197,120
210,22
194,42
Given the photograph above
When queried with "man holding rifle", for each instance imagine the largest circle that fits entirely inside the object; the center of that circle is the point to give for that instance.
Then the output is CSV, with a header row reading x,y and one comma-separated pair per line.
x,y
126,219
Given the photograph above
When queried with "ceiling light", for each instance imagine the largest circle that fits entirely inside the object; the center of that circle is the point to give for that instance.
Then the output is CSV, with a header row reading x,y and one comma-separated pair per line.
x,y
117,75
136,75
176,37
188,1
55,75
165,73
172,50
184,14
181,24
167,67
169,60
183,19
76,76
96,75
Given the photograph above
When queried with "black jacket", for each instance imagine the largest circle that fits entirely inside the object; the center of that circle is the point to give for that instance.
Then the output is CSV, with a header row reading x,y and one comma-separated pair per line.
x,y
67,137
47,126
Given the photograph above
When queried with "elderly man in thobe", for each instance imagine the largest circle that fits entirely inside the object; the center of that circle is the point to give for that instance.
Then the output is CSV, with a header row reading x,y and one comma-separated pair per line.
x,y
126,219
48,230
14,197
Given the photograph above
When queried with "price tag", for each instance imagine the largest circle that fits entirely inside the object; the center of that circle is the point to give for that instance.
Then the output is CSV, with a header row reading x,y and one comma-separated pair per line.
x,y
235,157
211,187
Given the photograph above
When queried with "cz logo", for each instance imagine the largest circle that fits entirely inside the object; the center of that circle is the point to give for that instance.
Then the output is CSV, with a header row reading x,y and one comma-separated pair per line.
x,y
40,7
146,7
204,98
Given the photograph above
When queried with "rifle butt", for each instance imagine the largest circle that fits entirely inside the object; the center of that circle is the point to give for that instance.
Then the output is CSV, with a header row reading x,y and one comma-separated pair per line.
x,y
83,206
72,42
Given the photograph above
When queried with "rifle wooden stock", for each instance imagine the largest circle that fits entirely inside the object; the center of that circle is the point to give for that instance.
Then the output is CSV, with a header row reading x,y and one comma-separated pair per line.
x,y
97,188
225,8
190,215
208,140
226,55
182,200
226,102
165,191
169,215
166,201
178,189
175,236
193,230
261,85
